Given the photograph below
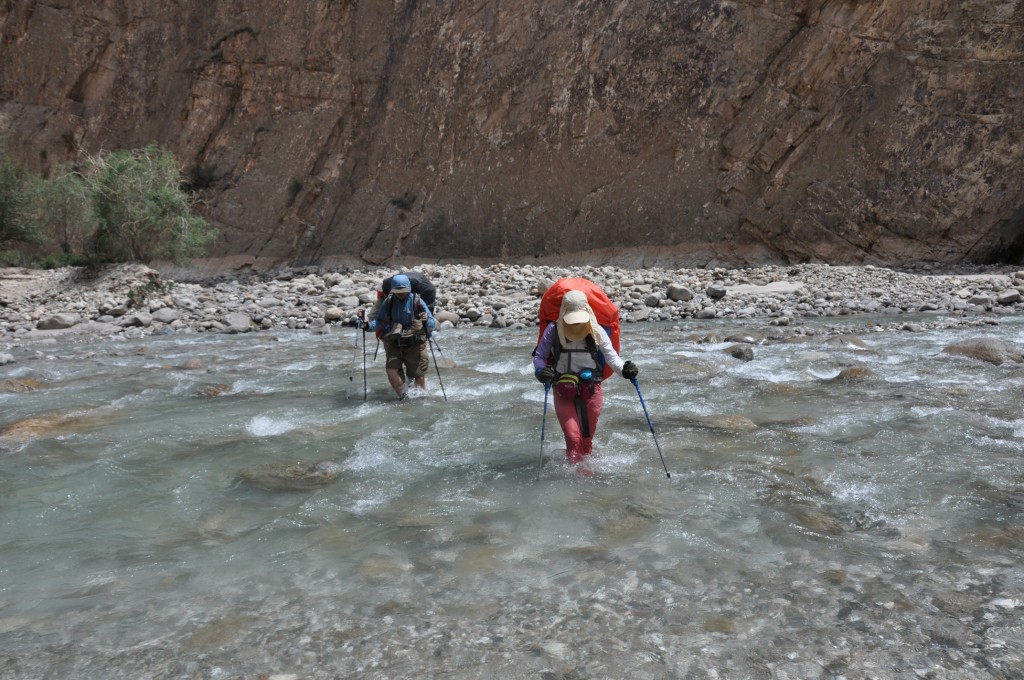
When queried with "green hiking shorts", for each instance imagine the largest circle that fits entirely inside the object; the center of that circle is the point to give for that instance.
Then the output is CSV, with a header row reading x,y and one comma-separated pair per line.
x,y
408,353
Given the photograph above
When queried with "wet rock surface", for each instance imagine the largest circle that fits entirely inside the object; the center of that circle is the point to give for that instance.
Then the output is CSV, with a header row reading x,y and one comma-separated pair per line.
x,y
292,476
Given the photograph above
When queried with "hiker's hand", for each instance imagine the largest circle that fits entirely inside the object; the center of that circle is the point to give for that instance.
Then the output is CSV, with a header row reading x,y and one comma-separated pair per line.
x,y
546,374
630,371
417,326
361,315
422,316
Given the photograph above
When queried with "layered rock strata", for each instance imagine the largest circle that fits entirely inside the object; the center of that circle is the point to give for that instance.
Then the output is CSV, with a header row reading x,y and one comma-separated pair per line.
x,y
713,131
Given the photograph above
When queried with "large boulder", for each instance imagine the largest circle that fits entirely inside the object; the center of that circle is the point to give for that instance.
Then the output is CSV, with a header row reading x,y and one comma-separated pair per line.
x,y
237,322
58,322
166,315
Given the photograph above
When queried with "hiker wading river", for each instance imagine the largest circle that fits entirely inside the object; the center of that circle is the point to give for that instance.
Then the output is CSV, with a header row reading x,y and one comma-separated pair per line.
x,y
843,503
405,323
572,355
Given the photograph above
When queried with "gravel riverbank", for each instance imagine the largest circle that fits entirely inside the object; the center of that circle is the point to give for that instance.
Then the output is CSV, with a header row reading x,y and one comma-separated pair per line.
x,y
133,301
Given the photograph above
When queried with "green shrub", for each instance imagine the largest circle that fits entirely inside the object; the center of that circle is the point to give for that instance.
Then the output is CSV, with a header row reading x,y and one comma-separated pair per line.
x,y
121,206
16,218
64,212
66,260
142,212
15,258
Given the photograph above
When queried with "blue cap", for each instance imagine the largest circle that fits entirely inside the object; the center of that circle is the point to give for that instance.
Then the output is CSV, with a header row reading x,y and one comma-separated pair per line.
x,y
400,284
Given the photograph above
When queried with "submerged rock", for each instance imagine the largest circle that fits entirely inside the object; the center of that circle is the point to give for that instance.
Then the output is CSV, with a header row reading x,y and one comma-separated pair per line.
x,y
19,385
856,373
747,338
846,342
50,425
730,422
215,390
293,476
741,352
992,350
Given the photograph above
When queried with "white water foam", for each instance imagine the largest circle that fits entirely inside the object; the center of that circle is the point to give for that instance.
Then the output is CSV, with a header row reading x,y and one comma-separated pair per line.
x,y
265,426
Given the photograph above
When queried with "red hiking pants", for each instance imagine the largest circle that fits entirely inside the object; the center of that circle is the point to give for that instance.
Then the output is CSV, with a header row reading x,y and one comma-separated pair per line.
x,y
576,445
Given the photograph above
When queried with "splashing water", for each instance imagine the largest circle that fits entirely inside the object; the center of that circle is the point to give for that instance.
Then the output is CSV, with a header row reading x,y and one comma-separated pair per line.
x,y
812,527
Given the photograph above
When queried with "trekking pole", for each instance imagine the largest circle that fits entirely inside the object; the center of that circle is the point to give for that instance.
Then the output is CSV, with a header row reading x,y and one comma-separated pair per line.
x,y
364,361
430,340
543,422
448,363
352,370
636,384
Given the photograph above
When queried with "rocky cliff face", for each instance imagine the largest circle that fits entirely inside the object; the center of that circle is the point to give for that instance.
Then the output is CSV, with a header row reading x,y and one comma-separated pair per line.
x,y
689,131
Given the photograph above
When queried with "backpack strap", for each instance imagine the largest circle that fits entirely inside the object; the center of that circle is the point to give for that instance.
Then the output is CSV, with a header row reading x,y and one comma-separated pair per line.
x,y
591,348
387,302
386,305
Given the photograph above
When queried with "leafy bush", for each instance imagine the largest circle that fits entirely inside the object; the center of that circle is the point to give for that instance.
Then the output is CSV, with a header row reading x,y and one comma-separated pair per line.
x,y
121,206
66,260
142,212
16,219
64,212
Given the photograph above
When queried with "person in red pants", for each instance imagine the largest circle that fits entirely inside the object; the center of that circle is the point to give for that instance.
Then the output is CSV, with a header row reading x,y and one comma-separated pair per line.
x,y
571,356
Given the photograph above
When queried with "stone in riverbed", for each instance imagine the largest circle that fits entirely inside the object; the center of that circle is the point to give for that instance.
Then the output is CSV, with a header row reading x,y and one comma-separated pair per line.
x,y
57,322
729,422
50,425
443,315
166,315
15,385
847,342
678,293
215,390
741,352
237,322
292,476
992,350
856,373
716,292
747,338
140,319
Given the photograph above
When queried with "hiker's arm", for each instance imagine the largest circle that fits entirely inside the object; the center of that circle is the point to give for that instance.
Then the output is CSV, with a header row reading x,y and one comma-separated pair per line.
x,y
611,357
426,316
543,351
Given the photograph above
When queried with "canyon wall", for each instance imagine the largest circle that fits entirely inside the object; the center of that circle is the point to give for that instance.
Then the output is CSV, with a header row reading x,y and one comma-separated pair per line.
x,y
687,131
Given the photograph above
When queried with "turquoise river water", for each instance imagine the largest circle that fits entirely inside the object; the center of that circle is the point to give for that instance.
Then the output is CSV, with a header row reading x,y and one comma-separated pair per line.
x,y
811,527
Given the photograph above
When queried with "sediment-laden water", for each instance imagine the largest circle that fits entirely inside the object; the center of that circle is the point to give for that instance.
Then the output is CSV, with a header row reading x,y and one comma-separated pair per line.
x,y
812,526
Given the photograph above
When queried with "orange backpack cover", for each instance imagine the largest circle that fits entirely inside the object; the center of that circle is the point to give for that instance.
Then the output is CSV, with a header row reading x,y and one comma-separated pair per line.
x,y
604,309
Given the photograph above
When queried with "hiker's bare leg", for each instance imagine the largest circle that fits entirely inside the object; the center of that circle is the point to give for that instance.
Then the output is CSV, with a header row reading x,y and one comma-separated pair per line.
x,y
397,383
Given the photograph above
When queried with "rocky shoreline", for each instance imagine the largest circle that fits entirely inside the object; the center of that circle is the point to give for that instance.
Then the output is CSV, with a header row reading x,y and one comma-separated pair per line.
x,y
134,301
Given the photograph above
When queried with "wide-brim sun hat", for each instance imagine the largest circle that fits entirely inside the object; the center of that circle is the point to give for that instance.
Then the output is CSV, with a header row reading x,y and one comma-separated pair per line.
x,y
576,310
